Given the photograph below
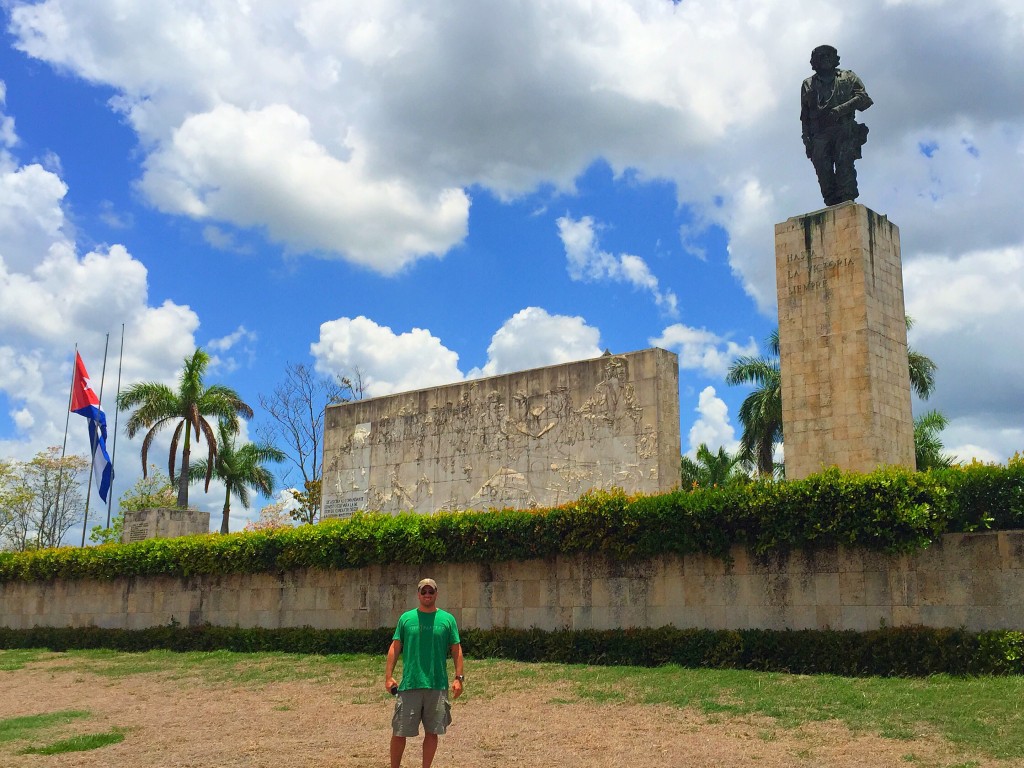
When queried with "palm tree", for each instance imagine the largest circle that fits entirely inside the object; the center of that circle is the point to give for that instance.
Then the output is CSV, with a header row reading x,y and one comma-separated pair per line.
x,y
927,445
157,406
922,369
761,411
241,470
711,469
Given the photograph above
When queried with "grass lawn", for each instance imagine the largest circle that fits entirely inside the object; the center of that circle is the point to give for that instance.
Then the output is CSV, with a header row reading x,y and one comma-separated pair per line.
x,y
981,717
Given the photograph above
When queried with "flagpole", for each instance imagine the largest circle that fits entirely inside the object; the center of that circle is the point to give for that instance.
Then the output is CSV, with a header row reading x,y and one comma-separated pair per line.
x,y
113,448
64,446
88,495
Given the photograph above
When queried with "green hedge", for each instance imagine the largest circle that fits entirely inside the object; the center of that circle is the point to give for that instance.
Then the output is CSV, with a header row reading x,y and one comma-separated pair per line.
x,y
890,510
907,651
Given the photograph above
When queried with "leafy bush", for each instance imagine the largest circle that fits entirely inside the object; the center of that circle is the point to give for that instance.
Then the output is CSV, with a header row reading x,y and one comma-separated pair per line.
x,y
904,651
890,510
985,495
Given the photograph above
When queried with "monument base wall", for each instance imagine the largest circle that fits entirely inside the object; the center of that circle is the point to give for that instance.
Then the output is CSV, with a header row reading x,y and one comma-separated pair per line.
x,y
970,580
843,342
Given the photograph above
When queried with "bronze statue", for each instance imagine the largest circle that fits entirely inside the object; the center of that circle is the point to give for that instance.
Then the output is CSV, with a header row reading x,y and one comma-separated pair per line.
x,y
832,138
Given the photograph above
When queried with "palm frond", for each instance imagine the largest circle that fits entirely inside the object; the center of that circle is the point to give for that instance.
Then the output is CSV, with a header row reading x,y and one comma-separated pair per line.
x,y
173,453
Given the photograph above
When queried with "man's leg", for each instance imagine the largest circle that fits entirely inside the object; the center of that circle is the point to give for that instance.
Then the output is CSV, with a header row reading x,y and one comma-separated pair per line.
x,y
397,748
821,157
846,177
429,748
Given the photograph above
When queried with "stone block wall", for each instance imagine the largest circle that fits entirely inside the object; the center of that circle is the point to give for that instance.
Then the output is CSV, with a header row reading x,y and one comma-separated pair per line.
x,y
843,342
970,580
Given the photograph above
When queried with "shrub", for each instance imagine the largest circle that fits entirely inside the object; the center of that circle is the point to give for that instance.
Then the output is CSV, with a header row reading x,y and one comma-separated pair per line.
x,y
901,651
985,495
890,510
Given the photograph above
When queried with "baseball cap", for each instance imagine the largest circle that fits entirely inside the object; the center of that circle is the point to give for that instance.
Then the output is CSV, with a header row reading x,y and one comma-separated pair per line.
x,y
426,583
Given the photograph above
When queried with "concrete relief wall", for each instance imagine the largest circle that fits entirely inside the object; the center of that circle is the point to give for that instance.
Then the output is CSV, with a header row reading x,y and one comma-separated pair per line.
x,y
970,580
532,439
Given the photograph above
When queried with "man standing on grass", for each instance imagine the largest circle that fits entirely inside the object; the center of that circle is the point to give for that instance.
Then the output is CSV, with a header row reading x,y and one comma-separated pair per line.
x,y
423,637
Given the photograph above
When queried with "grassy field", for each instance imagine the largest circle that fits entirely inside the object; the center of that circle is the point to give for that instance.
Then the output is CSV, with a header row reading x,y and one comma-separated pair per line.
x,y
982,718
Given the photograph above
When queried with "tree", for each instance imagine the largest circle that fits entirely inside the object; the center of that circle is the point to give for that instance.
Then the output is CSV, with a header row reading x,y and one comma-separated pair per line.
x,y
240,469
157,406
712,469
272,517
307,501
99,534
761,411
922,369
927,444
296,408
42,499
152,491
12,497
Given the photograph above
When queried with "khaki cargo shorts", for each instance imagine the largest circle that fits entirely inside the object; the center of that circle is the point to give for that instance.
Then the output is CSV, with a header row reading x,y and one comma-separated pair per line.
x,y
421,705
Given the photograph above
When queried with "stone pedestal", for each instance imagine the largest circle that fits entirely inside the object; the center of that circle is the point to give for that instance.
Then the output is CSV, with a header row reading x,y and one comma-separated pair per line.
x,y
163,523
842,342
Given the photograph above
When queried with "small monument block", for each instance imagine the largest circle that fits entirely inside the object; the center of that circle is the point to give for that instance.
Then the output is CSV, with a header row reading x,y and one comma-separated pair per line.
x,y
843,342
163,523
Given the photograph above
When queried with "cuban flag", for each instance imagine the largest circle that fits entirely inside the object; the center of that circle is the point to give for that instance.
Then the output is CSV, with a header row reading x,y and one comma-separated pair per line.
x,y
84,402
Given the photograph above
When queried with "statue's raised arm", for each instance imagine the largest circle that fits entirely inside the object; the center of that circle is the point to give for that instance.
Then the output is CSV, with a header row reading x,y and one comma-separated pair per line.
x,y
829,100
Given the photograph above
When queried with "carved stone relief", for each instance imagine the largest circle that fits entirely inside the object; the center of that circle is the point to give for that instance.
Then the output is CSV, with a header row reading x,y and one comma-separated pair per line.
x,y
523,440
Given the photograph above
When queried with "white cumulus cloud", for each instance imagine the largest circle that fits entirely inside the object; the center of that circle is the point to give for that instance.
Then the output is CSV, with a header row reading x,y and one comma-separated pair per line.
x,y
587,262
217,163
533,338
702,350
390,362
387,361
712,427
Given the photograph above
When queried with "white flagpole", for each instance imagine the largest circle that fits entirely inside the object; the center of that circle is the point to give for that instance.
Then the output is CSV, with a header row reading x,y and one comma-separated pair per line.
x,y
64,446
92,462
113,448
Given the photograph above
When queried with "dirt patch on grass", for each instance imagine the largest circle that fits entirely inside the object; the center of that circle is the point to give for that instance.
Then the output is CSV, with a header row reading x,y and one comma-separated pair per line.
x,y
337,722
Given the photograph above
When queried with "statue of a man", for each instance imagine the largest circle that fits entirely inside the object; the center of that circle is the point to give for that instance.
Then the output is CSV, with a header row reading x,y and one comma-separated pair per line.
x,y
832,138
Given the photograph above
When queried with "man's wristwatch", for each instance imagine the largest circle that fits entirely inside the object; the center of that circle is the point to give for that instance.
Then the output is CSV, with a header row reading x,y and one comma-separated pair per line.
x,y
460,678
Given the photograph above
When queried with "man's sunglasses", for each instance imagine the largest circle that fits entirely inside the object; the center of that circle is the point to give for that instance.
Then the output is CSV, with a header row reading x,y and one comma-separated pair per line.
x,y
427,591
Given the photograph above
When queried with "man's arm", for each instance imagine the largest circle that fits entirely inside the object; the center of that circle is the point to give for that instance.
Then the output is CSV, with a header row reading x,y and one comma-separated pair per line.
x,y
457,658
858,101
393,653
807,117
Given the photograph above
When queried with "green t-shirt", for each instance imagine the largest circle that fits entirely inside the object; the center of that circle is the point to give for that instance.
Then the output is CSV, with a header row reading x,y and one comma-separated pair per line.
x,y
425,639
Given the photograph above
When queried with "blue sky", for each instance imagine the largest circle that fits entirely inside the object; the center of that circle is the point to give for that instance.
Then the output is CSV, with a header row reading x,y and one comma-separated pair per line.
x,y
429,193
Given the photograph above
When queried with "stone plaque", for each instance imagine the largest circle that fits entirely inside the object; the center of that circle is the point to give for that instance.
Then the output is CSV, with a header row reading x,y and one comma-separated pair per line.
x,y
137,531
343,506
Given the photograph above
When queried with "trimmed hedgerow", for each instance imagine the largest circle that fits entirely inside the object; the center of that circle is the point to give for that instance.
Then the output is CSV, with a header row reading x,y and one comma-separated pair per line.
x,y
890,510
985,495
895,651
